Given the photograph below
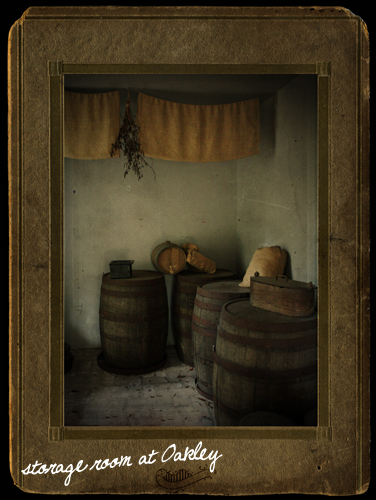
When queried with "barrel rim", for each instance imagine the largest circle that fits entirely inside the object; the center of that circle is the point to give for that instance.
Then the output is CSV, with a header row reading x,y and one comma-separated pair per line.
x,y
199,277
151,278
290,325
221,295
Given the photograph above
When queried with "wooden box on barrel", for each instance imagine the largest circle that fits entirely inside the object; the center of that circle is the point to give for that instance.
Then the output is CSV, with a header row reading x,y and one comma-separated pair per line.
x,y
121,269
133,319
282,295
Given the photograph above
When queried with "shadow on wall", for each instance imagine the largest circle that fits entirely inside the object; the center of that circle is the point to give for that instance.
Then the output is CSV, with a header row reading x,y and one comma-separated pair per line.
x,y
268,123
76,338
288,270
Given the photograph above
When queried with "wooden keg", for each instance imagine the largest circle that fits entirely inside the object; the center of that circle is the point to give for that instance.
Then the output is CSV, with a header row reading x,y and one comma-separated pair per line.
x,y
210,297
263,361
133,319
168,258
183,297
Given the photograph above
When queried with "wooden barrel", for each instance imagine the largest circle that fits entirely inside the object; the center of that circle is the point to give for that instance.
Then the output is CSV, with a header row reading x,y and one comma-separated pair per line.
x,y
133,319
168,258
263,361
208,303
183,297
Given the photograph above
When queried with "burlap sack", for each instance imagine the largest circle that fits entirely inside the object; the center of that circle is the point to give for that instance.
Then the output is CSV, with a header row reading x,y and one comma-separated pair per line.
x,y
197,260
267,261
189,247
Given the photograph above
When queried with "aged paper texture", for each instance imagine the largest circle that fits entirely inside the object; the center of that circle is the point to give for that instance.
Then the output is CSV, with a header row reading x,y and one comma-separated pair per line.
x,y
47,43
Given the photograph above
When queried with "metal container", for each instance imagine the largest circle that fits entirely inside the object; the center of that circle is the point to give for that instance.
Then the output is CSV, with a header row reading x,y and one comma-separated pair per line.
x,y
121,269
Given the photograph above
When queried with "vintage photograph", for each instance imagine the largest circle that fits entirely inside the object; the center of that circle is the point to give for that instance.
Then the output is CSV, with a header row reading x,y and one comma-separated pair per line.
x,y
190,250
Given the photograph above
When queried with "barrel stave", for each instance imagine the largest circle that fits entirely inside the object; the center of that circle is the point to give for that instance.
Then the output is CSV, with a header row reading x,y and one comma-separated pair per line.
x,y
210,297
182,308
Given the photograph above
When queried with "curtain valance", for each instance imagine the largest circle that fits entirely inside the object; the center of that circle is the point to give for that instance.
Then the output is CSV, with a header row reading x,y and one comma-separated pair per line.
x,y
91,124
198,133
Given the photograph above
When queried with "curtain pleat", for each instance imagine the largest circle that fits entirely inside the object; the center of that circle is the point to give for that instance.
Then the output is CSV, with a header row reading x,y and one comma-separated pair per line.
x,y
198,133
91,124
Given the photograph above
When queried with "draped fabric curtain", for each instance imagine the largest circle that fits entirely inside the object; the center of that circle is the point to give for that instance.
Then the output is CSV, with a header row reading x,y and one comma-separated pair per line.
x,y
91,124
198,133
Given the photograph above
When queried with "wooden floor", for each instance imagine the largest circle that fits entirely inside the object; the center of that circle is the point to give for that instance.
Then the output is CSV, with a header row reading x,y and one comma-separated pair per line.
x,y
166,397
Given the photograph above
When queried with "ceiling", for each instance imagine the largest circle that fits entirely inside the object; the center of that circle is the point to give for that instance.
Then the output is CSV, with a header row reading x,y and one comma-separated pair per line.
x,y
184,88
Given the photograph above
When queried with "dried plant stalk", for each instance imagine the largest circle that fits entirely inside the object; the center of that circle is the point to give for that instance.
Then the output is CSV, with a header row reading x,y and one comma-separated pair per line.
x,y
128,142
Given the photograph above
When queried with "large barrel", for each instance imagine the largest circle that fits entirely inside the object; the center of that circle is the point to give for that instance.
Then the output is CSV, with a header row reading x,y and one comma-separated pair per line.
x,y
168,258
133,318
263,361
182,308
208,303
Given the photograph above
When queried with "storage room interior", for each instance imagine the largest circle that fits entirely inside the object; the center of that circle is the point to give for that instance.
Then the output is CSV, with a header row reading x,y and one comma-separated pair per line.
x,y
228,209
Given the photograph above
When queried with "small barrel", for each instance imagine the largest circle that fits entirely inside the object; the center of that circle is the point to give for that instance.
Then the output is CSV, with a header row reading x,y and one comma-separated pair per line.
x,y
183,297
133,319
263,361
208,303
168,258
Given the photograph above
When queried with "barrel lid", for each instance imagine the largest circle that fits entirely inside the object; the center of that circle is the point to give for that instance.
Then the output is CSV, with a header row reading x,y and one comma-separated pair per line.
x,y
197,277
282,281
225,288
240,313
143,278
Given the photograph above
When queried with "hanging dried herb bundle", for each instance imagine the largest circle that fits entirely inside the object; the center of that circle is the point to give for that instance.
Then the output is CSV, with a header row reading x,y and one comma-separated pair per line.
x,y
128,142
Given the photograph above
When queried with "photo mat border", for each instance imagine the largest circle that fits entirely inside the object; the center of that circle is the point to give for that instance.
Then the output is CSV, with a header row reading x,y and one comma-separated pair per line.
x,y
359,213
57,430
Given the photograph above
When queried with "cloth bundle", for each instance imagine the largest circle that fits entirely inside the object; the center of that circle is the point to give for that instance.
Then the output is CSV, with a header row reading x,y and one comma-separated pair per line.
x,y
266,261
197,260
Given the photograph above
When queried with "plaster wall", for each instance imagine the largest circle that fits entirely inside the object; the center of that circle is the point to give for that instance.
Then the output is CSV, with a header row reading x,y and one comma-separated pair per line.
x,y
228,209
277,189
